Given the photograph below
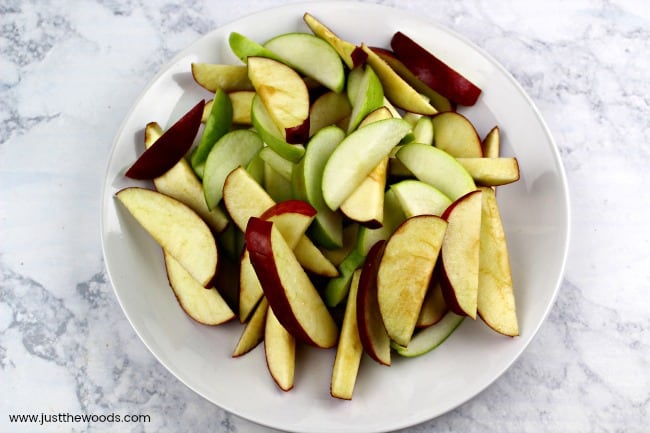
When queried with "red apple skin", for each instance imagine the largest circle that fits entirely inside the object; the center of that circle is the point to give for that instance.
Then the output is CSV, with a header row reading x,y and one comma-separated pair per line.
x,y
433,71
169,148
258,242
358,56
298,134
289,206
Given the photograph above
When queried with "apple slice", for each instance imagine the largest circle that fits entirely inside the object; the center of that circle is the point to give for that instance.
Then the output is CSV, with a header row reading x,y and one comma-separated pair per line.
x,y
311,56
337,255
437,168
328,109
420,198
244,48
433,71
357,155
372,332
492,171
284,95
349,349
434,307
307,184
346,50
456,135
438,101
181,183
217,125
169,148
492,143
426,340
366,95
423,130
280,352
206,306
229,78
460,254
236,148
292,296
405,271
396,89
366,203
282,166
253,332
178,230
271,134
241,102
496,300
313,260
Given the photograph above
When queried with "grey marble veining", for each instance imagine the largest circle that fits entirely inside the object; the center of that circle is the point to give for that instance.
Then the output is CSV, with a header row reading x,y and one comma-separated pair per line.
x,y
69,71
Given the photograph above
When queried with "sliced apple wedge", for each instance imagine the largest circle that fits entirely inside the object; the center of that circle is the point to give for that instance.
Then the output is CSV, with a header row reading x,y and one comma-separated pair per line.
x,y
366,203
496,300
460,254
366,94
206,306
253,332
277,162
284,95
396,89
272,134
236,148
420,198
169,148
423,130
492,171
357,155
217,125
405,271
328,109
178,230
345,49
311,56
280,352
291,295
456,135
250,288
492,143
243,47
372,332
434,306
313,260
242,102
229,78
349,349
426,340
433,71
437,168
181,183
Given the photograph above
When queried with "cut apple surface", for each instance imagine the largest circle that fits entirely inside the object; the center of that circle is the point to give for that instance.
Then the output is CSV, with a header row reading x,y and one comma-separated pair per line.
x,y
460,254
280,351
344,48
434,306
366,203
292,296
178,230
426,340
420,198
206,306
492,171
180,182
357,155
496,300
405,271
242,102
366,94
229,78
492,143
349,349
456,135
328,109
283,93
272,134
253,332
169,148
433,71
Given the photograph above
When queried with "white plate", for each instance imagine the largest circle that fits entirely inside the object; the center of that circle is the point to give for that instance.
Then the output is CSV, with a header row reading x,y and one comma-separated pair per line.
x,y
536,218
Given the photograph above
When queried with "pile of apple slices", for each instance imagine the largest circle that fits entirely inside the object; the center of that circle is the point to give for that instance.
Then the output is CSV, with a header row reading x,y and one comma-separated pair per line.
x,y
356,207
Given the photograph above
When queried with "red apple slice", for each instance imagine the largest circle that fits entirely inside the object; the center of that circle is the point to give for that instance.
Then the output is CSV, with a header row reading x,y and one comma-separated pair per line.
x,y
460,254
349,349
292,296
405,272
496,300
433,71
169,148
372,332
280,352
253,332
178,230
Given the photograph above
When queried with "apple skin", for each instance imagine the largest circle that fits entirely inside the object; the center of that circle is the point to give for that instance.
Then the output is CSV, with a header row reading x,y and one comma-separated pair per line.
x,y
169,148
433,71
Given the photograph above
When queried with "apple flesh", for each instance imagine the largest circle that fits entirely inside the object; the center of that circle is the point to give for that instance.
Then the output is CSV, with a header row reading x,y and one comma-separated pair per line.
x,y
366,94
291,294
492,171
279,351
426,340
496,300
434,306
456,135
229,78
405,272
272,134
434,72
328,109
420,198
243,47
253,332
460,254
492,143
176,228
346,50
169,148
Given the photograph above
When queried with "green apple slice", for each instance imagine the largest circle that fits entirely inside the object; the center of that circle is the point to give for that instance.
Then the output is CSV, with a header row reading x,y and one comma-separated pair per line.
x,y
232,150
366,95
344,48
429,338
311,56
281,165
229,78
423,130
437,168
271,134
244,47
357,155
328,109
217,125
420,198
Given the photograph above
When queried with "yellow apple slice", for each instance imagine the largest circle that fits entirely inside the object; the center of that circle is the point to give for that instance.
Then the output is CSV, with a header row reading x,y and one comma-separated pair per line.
x,y
280,351
178,230
492,143
230,78
492,171
253,332
405,272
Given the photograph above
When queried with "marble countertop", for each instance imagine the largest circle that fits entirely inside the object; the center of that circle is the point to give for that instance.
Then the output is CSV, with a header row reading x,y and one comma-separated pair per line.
x,y
69,71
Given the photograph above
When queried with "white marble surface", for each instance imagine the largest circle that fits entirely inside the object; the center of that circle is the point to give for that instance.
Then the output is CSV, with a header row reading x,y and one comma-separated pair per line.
x,y
69,70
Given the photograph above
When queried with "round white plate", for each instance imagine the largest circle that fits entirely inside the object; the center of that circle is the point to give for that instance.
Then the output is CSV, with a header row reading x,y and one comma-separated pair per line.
x,y
536,218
